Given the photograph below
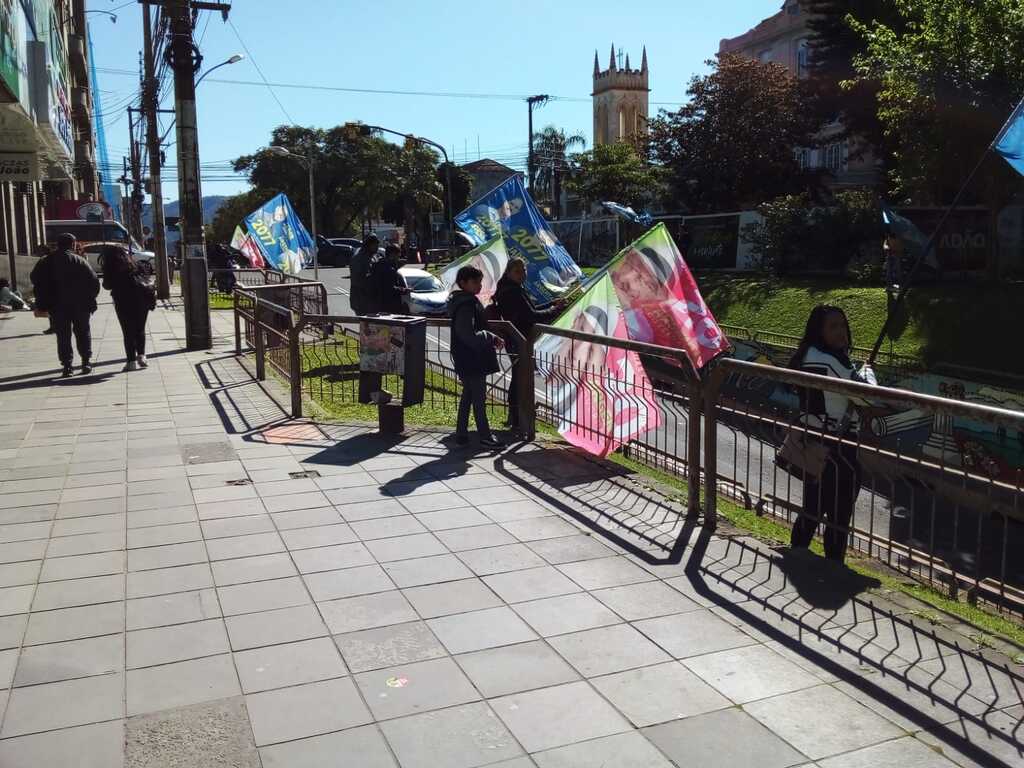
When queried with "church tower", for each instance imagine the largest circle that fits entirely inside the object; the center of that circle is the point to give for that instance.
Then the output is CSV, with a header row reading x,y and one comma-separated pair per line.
x,y
621,97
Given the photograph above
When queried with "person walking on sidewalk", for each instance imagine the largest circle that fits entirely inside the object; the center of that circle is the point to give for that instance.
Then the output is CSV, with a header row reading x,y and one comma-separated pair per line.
x,y
474,355
514,305
66,287
133,301
361,295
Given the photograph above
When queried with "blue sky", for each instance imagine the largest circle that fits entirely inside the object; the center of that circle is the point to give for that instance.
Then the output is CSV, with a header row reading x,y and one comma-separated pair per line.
x,y
509,49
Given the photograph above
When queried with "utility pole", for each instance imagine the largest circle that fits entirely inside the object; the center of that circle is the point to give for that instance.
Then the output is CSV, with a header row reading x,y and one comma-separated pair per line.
x,y
150,103
186,60
136,167
538,101
126,199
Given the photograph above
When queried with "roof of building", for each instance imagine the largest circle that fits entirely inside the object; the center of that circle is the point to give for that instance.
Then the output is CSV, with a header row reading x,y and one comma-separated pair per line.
x,y
486,165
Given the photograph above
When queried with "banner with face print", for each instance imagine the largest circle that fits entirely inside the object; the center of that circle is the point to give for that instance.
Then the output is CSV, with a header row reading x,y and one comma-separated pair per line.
x,y
491,258
280,236
601,396
509,211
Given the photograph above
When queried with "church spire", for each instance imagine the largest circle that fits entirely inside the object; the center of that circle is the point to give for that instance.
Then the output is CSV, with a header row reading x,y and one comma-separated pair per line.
x,y
627,62
611,59
597,68
643,63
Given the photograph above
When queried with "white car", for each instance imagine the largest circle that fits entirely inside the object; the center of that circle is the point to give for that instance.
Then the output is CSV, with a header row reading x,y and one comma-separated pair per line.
x,y
428,296
144,260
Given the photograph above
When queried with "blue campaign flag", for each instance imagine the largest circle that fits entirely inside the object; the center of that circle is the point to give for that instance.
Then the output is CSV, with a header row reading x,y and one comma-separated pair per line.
x,y
1010,141
508,210
280,235
914,239
626,212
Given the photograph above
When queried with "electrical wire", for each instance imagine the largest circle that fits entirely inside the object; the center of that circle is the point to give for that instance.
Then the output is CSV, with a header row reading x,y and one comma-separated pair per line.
x,y
260,71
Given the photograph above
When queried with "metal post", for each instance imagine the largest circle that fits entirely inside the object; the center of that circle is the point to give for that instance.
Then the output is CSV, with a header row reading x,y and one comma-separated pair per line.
x,y
712,389
150,105
527,390
295,364
693,391
257,326
238,324
312,221
193,247
136,169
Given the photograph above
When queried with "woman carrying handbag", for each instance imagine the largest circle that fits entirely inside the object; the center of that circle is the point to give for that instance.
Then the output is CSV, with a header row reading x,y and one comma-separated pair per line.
x,y
829,468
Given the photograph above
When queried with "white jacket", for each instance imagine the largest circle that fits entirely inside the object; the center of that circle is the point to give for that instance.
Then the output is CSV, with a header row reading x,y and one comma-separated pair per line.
x,y
832,405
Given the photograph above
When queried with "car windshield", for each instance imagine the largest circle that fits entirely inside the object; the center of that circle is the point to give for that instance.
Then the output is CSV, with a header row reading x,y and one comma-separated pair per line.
x,y
423,283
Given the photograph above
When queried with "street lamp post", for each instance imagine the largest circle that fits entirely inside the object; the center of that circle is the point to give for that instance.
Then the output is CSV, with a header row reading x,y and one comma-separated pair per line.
x,y
308,161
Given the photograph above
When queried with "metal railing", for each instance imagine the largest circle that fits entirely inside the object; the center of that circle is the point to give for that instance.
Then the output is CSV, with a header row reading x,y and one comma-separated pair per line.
x,y
224,281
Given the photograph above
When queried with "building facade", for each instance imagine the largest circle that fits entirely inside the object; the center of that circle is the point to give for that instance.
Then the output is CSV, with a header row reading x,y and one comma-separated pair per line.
x,y
784,38
621,98
46,133
486,175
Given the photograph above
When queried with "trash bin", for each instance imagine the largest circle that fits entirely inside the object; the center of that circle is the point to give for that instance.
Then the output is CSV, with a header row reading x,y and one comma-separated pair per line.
x,y
392,345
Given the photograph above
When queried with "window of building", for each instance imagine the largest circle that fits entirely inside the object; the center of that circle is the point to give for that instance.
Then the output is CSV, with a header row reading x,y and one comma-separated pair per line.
x,y
835,156
765,56
803,158
622,124
803,58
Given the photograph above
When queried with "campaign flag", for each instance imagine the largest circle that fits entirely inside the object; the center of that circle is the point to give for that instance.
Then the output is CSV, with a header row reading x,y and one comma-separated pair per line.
x,y
491,258
603,396
509,211
1010,141
626,212
913,239
276,231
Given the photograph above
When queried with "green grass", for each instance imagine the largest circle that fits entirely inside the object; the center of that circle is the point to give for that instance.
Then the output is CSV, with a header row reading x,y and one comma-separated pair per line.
x,y
951,322
220,301
769,529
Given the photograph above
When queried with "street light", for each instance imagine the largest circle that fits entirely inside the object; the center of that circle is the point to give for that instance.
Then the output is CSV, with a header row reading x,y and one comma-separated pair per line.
x,y
308,162
112,16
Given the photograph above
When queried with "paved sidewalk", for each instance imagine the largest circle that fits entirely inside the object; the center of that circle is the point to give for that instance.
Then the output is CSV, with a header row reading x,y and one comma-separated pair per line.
x,y
189,578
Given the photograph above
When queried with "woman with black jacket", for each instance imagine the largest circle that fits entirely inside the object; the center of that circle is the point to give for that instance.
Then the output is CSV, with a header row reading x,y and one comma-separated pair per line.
x,y
514,305
829,499
133,300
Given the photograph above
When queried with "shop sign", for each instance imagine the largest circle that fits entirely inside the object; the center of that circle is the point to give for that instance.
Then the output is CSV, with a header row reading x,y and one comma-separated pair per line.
x,y
19,167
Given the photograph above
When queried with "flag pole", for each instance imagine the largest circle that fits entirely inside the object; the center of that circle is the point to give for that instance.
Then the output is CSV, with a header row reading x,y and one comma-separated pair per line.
x,y
924,255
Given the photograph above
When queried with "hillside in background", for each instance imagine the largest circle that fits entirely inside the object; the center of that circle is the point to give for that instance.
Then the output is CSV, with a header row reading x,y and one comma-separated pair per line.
x,y
211,204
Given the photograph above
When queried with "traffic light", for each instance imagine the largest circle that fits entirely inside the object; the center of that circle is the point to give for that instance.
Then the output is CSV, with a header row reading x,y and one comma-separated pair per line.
x,y
410,142
352,131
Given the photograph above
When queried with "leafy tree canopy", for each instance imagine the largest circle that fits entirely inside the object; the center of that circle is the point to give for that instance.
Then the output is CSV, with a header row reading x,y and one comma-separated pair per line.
x,y
614,172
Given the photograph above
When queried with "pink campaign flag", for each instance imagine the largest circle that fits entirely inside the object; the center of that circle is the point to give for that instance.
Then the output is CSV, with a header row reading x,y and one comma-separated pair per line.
x,y
602,396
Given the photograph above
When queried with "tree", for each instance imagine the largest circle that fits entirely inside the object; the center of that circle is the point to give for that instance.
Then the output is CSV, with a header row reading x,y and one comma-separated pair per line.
x,y
614,172
950,73
551,161
462,185
734,144
231,213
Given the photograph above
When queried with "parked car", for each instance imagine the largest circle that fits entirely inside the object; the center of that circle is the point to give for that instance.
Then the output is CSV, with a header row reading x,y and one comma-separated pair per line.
x,y
144,260
336,251
93,236
428,296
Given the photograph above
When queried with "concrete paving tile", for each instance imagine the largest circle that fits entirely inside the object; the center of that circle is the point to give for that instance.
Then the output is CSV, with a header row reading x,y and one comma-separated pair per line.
x,y
223,493
387,527
42,513
624,750
476,630
553,717
475,537
473,481
206,735
406,547
605,572
538,528
277,666
285,487
32,498
515,668
446,519
244,546
77,566
86,544
510,557
75,623
433,600
86,591
306,518
331,751
262,596
427,570
728,738
46,707
366,611
157,485
362,580
82,493
294,501
12,629
141,503
332,558
136,474
608,649
565,613
22,550
238,508
180,642
8,664
360,494
458,737
318,536
214,481
176,608
530,584
389,646
35,484
416,687
371,510
693,633
659,693
76,526
97,478
215,468
248,569
166,556
899,753
164,581
287,625
87,746
645,600
305,710
177,685
68,660
505,512
161,535
19,574
92,507
167,516
237,526
24,531
750,673
353,479
433,502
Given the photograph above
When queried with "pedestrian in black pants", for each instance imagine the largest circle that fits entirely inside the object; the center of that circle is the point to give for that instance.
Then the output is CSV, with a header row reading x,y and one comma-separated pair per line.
x,y
133,300
514,305
474,355
68,288
829,499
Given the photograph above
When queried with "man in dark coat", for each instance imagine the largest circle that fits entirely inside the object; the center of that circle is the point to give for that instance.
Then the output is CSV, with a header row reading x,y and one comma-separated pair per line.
x,y
361,294
385,282
68,289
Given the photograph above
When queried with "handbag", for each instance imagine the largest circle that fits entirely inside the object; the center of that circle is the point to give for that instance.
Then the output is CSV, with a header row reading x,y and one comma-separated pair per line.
x,y
803,453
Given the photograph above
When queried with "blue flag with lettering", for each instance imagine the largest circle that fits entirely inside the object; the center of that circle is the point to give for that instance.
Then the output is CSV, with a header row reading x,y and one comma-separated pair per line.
x,y
280,235
1010,141
508,210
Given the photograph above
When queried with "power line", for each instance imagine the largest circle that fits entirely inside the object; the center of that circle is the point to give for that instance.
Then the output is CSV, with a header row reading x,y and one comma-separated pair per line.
x,y
260,71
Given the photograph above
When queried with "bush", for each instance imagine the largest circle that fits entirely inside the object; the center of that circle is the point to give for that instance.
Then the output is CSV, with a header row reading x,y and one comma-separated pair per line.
x,y
793,235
